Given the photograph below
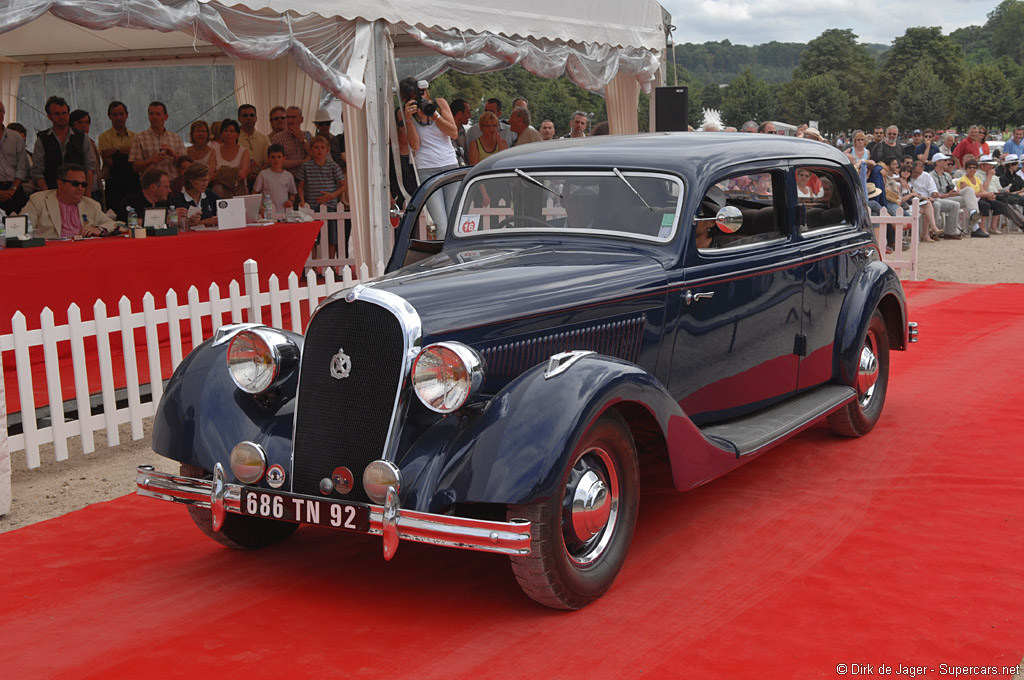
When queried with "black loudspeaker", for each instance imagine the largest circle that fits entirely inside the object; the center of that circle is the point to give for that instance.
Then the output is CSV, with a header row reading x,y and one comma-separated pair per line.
x,y
670,105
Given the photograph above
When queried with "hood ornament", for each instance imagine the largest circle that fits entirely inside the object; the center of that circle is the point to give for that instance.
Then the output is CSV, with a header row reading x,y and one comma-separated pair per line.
x,y
341,365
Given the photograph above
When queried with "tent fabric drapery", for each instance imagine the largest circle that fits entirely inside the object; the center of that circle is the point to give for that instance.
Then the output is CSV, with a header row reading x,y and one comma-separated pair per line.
x,y
323,47
590,66
620,98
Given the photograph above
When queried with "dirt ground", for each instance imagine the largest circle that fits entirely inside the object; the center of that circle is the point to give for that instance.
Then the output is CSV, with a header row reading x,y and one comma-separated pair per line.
x,y
57,488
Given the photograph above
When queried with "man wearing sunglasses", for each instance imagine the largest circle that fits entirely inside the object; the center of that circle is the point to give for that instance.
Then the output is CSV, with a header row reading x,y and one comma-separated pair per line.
x,y
252,139
66,211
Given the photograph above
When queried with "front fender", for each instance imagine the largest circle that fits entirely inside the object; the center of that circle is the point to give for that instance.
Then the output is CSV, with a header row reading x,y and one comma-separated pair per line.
x,y
876,286
202,415
515,449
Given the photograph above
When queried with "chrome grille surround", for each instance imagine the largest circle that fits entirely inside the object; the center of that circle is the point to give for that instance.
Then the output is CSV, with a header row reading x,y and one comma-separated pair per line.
x,y
313,455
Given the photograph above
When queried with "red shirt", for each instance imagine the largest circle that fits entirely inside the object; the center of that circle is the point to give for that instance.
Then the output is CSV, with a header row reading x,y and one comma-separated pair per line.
x,y
967,146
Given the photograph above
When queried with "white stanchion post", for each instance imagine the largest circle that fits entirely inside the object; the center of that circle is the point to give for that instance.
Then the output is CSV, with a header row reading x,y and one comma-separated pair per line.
x,y
5,452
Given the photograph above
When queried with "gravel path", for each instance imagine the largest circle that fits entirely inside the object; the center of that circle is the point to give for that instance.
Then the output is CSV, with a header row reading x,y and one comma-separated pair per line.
x,y
57,488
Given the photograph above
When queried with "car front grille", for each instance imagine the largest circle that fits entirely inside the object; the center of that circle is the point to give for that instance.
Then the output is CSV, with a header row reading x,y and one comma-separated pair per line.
x,y
346,421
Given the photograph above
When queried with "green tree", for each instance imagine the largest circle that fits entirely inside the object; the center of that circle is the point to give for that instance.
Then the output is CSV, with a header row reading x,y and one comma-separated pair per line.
x,y
986,98
914,103
837,52
747,98
925,46
1006,27
820,98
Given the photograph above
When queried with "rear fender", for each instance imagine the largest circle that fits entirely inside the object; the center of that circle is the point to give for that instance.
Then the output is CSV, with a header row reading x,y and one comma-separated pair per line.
x,y
202,414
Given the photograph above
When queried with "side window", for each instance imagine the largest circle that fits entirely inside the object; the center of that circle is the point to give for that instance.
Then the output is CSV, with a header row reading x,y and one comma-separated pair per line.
x,y
824,198
755,196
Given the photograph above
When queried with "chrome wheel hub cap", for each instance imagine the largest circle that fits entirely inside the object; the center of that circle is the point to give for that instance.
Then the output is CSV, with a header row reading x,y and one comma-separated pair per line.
x,y
590,507
867,371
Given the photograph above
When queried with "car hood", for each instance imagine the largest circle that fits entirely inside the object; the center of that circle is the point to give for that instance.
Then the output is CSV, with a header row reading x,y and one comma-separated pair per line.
x,y
468,288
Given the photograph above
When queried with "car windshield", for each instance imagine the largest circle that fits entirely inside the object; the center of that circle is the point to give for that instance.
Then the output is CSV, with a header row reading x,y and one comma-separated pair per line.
x,y
639,205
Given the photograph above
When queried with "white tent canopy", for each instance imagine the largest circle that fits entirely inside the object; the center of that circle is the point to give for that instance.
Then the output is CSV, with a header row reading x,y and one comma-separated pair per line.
x,y
285,50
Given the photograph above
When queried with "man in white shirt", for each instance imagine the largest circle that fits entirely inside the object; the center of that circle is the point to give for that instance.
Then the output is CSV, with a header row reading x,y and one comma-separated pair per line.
x,y
947,212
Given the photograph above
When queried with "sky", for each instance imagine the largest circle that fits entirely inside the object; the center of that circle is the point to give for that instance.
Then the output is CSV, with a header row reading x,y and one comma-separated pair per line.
x,y
752,22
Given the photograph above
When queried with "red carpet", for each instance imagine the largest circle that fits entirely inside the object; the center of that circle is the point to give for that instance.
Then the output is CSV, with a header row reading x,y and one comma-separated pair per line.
x,y
903,547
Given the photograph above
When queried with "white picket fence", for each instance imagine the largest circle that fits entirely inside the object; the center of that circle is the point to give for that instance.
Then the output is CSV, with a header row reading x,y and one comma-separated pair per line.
x,y
899,259
320,258
236,307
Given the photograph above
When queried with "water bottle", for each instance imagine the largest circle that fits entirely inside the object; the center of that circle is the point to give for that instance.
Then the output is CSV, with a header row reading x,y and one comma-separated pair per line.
x,y
133,219
172,218
29,228
3,231
268,208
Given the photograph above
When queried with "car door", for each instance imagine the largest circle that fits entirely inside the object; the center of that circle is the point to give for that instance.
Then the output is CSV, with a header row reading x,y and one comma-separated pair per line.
x,y
833,248
739,303
412,241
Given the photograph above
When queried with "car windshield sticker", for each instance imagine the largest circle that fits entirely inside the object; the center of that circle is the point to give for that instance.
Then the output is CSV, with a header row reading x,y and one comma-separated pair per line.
x,y
667,219
468,224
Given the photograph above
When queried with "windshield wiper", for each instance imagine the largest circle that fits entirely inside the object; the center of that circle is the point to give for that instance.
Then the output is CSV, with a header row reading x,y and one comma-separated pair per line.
x,y
626,181
543,186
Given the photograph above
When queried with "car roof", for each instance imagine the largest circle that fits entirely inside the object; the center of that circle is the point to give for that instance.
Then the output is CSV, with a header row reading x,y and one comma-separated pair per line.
x,y
690,154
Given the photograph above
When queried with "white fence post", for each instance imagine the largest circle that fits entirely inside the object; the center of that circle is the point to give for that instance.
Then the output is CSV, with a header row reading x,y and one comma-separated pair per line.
x,y
5,451
252,290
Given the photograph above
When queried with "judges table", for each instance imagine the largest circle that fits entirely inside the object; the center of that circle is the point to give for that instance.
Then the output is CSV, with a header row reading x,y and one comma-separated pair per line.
x,y
81,272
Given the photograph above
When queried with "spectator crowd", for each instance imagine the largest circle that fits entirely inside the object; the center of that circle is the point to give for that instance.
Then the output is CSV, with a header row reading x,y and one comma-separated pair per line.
x,y
72,184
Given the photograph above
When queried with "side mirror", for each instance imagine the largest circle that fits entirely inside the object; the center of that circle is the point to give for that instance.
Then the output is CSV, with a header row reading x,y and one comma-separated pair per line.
x,y
729,219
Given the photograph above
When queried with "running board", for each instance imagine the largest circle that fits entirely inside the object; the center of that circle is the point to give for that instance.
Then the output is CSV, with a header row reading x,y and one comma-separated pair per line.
x,y
759,430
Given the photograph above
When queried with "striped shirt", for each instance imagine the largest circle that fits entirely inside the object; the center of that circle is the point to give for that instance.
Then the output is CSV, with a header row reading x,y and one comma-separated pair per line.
x,y
318,179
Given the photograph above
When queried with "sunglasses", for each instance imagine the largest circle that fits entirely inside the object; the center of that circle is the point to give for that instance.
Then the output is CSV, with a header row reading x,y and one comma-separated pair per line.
x,y
75,183
247,115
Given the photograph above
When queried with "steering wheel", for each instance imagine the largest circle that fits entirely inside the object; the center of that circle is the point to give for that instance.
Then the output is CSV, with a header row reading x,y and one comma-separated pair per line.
x,y
526,219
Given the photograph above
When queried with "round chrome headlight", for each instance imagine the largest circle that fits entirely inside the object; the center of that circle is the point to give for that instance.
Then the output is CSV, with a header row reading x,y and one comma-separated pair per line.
x,y
253,361
248,462
377,477
446,374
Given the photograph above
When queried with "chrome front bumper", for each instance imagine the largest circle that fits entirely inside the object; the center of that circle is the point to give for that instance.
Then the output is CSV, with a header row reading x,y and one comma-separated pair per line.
x,y
388,520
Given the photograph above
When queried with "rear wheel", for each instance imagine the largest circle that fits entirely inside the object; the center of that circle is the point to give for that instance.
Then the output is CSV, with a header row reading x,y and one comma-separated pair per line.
x,y
859,416
581,535
238,531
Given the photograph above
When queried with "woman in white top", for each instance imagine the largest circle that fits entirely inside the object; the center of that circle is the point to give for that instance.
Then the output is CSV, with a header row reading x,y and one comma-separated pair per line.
x,y
232,161
430,138
201,150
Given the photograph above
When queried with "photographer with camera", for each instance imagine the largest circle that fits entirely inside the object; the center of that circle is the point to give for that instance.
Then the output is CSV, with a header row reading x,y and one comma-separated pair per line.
x,y
430,129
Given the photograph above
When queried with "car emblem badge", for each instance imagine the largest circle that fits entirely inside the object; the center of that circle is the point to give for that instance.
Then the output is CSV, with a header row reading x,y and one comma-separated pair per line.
x,y
341,365
275,476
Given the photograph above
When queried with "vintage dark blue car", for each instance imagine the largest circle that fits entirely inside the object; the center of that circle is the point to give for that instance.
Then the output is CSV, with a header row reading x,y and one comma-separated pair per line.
x,y
677,295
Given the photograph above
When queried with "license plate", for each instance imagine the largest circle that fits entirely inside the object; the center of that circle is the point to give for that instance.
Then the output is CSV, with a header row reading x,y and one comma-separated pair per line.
x,y
321,511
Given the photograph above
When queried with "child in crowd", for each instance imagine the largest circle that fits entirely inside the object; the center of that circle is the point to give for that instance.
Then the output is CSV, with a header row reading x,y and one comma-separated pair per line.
x,y
276,181
322,182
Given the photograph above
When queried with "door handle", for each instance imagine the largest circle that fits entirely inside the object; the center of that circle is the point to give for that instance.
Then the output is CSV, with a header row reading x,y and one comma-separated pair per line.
x,y
690,296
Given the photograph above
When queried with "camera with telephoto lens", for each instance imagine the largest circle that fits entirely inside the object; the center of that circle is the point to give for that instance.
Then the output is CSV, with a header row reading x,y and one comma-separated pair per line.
x,y
428,108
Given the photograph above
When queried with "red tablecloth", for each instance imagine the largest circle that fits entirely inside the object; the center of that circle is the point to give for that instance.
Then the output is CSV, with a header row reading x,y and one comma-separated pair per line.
x,y
82,272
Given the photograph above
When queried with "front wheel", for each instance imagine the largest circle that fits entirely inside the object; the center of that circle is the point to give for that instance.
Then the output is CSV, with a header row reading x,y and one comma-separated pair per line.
x,y
859,416
238,531
582,533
